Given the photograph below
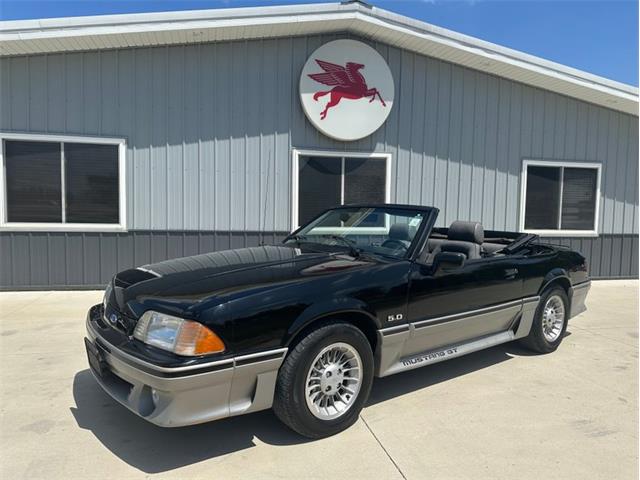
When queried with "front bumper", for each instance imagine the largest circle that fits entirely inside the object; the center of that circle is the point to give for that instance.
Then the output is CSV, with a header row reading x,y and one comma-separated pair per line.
x,y
178,396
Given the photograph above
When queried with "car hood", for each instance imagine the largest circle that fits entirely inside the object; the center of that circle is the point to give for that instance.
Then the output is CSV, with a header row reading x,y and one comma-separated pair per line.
x,y
182,284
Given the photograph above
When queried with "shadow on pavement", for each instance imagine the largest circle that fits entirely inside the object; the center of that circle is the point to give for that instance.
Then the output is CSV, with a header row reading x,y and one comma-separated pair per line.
x,y
154,449
388,388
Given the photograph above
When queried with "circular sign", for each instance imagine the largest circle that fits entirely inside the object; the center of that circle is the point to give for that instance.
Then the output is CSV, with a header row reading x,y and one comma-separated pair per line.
x,y
346,89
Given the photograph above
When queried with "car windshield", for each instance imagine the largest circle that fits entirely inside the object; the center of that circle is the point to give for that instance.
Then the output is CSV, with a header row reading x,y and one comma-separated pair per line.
x,y
386,231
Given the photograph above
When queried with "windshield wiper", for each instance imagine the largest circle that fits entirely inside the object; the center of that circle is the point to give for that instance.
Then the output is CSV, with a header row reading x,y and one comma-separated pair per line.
x,y
353,249
297,238
300,239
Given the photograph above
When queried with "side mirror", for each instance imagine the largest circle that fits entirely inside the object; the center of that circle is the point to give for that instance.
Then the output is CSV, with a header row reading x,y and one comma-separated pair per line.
x,y
446,261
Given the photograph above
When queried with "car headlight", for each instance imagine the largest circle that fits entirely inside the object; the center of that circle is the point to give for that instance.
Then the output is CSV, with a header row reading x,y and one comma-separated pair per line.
x,y
176,335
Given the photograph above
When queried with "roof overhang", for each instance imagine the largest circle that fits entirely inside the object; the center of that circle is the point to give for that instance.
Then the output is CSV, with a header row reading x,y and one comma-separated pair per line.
x,y
31,37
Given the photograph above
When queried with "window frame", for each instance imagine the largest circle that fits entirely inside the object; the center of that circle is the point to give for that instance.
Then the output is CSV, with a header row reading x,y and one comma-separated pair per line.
x,y
121,226
339,156
559,164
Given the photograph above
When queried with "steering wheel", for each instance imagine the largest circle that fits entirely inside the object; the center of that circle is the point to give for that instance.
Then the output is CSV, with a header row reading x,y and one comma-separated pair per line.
x,y
394,244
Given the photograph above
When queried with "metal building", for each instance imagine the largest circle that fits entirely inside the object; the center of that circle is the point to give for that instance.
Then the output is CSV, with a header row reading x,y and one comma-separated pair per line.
x,y
129,139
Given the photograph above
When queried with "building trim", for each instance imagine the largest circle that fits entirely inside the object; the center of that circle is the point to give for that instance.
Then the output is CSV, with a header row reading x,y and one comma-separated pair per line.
x,y
559,232
295,157
166,28
121,226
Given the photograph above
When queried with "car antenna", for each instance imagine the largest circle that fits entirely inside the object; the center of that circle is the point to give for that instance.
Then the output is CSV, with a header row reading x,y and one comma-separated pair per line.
x,y
266,199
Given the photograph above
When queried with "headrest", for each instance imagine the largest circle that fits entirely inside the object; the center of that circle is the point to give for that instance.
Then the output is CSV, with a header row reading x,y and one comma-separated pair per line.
x,y
466,232
399,231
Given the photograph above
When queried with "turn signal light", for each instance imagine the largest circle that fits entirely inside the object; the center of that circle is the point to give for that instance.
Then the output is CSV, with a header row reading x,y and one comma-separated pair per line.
x,y
196,339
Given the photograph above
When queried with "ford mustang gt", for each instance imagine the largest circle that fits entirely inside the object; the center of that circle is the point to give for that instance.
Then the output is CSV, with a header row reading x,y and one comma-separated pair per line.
x,y
361,291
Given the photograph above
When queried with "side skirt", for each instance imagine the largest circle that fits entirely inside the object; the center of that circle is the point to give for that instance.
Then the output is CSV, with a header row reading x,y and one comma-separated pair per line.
x,y
421,343
435,356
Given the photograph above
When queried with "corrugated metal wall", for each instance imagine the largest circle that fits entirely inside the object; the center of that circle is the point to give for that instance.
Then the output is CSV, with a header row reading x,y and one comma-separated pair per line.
x,y
608,256
80,260
74,259
210,129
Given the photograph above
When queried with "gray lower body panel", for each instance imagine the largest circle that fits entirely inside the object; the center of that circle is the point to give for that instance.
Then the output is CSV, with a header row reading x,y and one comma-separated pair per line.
x,y
440,354
421,343
578,297
236,386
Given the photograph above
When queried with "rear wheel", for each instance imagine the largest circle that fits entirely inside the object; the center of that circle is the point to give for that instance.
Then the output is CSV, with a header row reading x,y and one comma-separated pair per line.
x,y
325,380
550,321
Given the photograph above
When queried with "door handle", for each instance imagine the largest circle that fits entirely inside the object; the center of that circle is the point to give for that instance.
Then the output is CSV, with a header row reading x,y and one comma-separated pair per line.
x,y
510,272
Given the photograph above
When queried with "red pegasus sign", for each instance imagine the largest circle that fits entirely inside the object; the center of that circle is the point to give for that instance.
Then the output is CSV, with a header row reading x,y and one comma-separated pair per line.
x,y
347,82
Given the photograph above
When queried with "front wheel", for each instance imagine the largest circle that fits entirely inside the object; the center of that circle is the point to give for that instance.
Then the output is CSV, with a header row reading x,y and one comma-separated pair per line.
x,y
325,380
550,321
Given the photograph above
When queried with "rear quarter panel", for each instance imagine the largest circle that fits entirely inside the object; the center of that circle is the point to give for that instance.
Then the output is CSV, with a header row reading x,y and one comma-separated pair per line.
x,y
540,270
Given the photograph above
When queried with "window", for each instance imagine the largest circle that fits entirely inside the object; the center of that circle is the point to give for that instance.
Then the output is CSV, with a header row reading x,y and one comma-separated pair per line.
x,y
325,180
62,183
560,198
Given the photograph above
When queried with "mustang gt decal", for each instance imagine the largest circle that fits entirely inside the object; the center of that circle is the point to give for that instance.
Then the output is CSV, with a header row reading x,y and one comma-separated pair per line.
x,y
429,356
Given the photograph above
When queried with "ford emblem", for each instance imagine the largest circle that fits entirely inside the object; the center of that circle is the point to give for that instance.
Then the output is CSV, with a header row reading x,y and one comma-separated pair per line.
x,y
113,318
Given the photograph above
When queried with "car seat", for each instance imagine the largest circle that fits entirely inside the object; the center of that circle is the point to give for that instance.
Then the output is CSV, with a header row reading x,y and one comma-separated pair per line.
x,y
399,237
462,237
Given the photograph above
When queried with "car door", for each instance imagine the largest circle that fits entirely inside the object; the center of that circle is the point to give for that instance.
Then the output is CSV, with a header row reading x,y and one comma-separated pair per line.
x,y
445,308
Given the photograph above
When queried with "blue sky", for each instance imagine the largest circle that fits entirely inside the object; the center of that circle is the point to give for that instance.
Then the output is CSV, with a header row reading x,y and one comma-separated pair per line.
x,y
600,37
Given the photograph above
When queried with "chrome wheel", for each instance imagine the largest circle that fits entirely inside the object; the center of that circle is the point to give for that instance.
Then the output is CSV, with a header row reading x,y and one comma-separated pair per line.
x,y
553,318
333,381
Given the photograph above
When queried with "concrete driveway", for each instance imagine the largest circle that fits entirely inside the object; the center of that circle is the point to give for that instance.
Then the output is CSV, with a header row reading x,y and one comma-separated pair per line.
x,y
500,413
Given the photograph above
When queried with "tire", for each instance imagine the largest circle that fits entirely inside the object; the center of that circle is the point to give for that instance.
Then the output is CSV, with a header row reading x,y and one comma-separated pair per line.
x,y
538,340
342,346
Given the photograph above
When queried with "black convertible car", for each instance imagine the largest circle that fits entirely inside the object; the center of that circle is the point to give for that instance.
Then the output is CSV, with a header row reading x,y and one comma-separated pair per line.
x,y
304,326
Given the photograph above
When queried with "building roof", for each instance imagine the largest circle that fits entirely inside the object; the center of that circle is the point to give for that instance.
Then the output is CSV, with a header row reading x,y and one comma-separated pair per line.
x,y
29,37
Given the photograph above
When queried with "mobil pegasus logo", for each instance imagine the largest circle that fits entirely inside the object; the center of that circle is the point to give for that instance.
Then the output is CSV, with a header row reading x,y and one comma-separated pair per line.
x,y
346,89
347,82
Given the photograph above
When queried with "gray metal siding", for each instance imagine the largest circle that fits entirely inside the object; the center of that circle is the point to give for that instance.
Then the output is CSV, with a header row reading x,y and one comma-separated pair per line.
x,y
210,129
64,260
58,259
607,256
